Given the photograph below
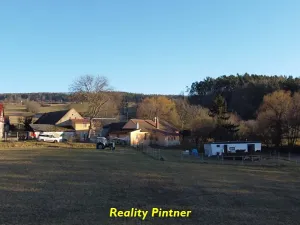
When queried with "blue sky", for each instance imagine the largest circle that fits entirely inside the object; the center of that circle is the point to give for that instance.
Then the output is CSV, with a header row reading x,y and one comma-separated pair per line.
x,y
157,46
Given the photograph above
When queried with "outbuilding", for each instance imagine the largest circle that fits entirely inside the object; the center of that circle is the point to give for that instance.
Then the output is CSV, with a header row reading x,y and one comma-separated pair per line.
x,y
231,147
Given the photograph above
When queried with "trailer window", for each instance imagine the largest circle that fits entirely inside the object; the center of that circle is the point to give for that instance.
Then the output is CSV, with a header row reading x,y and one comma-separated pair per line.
x,y
218,146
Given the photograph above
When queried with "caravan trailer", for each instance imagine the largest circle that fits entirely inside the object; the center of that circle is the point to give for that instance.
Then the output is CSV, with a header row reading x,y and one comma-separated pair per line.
x,y
224,148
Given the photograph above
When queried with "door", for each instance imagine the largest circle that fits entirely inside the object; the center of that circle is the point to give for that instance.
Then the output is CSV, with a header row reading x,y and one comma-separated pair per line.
x,y
225,149
251,148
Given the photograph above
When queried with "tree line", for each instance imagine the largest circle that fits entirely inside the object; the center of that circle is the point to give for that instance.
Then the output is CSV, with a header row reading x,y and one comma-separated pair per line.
x,y
249,107
243,93
66,97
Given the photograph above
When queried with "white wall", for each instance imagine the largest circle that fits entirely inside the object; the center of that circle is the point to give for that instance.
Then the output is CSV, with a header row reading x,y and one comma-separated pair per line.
x,y
65,135
213,149
1,129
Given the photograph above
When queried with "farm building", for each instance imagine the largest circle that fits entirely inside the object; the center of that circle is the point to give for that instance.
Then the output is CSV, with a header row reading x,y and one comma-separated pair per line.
x,y
138,131
224,148
47,129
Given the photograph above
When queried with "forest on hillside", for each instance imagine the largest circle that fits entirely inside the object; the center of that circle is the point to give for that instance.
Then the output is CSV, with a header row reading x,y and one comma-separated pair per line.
x,y
65,97
243,93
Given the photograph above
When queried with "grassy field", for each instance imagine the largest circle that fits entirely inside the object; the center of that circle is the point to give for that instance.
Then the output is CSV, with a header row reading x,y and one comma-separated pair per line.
x,y
79,186
21,109
35,144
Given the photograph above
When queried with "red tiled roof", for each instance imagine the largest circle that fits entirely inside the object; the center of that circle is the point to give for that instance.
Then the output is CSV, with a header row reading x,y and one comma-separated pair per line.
x,y
1,107
149,125
81,120
1,112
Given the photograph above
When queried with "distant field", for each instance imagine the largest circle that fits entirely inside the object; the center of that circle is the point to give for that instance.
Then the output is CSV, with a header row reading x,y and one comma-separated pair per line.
x,y
19,111
53,108
76,186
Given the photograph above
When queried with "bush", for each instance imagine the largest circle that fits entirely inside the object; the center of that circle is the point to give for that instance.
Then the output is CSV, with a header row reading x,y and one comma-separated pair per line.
x,y
33,107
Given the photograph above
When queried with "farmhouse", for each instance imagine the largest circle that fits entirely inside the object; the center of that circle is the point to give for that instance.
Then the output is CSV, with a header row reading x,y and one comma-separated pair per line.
x,y
138,131
62,121
224,148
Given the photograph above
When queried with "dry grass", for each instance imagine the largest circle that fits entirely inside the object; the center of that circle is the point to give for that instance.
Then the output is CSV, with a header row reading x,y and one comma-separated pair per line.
x,y
44,145
53,108
56,186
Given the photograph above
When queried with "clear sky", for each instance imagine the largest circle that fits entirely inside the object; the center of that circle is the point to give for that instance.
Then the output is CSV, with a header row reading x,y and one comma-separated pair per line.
x,y
144,46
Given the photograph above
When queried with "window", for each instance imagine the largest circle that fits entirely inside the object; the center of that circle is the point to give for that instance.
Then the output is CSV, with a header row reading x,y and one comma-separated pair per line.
x,y
218,146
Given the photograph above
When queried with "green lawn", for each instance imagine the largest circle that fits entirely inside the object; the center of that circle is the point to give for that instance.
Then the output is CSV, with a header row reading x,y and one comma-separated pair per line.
x,y
79,186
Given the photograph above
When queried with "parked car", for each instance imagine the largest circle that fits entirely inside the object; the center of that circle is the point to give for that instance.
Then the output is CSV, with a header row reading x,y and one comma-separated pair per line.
x,y
119,141
49,138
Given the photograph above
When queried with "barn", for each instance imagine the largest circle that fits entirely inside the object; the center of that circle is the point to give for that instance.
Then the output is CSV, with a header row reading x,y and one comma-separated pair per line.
x,y
224,148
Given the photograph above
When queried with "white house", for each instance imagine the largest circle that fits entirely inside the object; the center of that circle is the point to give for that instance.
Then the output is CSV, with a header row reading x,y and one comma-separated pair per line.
x,y
56,131
138,131
220,148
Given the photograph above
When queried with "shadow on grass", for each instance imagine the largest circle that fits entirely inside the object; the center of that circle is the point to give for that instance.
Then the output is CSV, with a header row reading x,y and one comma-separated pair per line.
x,y
79,187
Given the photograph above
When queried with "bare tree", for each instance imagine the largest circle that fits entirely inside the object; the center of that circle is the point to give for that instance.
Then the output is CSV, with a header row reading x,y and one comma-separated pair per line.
x,y
32,106
188,114
275,111
159,106
183,110
96,92
293,121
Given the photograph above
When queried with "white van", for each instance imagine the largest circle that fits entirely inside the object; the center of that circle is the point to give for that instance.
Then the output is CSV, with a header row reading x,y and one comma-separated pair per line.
x,y
49,138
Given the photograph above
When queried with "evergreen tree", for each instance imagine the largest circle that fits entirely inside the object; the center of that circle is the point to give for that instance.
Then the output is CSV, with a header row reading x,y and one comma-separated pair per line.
x,y
224,128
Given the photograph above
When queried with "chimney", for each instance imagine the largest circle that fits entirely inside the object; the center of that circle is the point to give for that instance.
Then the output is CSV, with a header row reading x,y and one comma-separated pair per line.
x,y
156,122
137,126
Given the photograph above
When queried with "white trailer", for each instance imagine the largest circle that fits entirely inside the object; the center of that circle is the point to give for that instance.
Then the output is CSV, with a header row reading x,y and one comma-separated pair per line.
x,y
223,148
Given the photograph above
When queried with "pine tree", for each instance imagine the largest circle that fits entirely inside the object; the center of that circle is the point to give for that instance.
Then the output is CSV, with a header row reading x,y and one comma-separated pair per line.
x,y
224,128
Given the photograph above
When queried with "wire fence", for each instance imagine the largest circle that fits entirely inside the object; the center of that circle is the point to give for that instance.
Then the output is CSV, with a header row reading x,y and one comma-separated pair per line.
x,y
154,153
262,159
14,136
256,159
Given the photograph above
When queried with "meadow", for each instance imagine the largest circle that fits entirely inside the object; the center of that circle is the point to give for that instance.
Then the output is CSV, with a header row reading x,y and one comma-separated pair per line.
x,y
79,186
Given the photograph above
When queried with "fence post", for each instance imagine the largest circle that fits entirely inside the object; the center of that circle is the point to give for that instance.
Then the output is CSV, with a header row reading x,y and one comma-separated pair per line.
x,y
17,136
260,159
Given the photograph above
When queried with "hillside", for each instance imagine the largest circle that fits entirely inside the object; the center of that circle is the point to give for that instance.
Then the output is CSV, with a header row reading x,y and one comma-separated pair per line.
x,y
65,97
243,93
